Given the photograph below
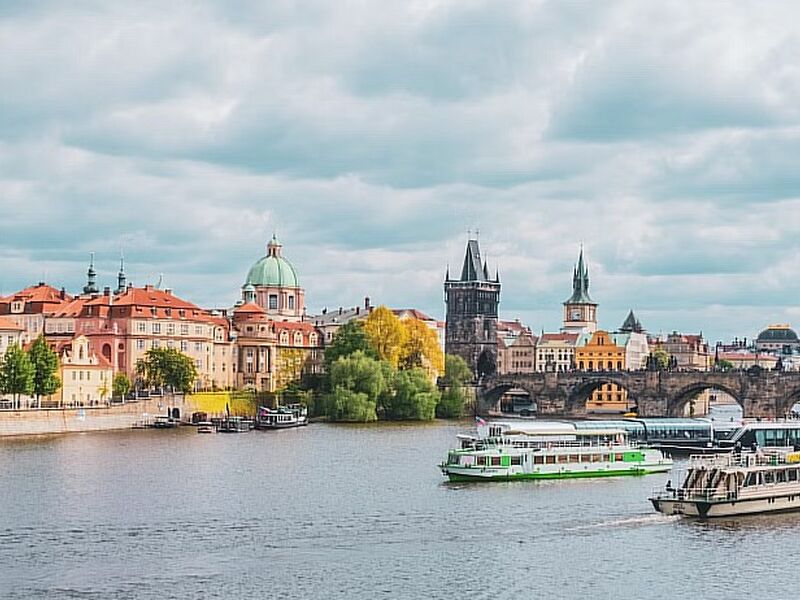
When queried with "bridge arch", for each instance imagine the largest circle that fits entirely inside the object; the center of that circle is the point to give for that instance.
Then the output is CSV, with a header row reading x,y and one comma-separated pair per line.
x,y
678,401
579,395
491,392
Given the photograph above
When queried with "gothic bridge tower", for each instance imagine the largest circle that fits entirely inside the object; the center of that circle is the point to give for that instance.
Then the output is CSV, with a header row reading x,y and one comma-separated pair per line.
x,y
472,301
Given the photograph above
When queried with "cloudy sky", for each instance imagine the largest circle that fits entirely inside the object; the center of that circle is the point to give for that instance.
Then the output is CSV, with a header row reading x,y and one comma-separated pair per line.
x,y
372,135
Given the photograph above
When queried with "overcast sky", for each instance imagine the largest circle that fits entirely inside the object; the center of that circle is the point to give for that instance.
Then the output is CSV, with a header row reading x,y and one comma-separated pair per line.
x,y
371,135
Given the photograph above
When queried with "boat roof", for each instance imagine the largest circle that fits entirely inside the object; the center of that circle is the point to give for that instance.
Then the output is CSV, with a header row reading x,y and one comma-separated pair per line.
x,y
548,428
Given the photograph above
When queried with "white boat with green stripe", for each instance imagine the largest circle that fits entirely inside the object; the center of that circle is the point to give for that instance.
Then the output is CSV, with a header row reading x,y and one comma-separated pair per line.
x,y
508,451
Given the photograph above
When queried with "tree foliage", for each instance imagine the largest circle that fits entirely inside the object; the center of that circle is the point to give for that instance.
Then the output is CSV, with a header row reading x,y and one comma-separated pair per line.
x,y
45,368
121,385
349,405
16,372
167,367
350,338
414,396
660,359
386,335
289,366
421,348
357,382
724,365
457,374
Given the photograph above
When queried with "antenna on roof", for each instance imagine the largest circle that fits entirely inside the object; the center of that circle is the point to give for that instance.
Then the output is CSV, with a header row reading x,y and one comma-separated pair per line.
x,y
160,281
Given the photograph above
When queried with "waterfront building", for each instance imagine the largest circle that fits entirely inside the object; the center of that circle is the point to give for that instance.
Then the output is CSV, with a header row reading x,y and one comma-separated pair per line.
x,y
472,301
86,377
123,327
10,334
633,338
778,339
601,351
746,360
580,311
516,348
30,308
269,354
556,352
272,283
328,322
689,351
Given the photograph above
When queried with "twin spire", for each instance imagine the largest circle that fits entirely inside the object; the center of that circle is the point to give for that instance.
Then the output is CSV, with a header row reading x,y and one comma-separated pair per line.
x,y
91,277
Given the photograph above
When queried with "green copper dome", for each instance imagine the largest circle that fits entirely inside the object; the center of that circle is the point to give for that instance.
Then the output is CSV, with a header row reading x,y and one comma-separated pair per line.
x,y
272,270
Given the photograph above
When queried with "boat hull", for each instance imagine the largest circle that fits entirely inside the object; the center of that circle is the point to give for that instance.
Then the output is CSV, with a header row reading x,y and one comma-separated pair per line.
x,y
464,475
726,508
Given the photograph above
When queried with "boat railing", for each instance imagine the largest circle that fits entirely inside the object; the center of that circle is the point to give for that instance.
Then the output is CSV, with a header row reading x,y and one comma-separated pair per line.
x,y
745,459
694,494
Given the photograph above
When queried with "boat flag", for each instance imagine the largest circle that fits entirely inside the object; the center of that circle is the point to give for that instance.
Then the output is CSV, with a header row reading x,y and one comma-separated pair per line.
x,y
479,421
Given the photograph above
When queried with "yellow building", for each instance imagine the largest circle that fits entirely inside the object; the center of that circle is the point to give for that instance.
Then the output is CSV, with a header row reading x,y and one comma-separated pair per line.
x,y
86,377
601,353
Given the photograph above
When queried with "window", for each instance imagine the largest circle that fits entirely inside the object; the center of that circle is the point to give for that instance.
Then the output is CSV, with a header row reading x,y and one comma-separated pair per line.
x,y
198,347
156,327
184,329
184,345
170,328
291,302
141,327
156,344
140,344
273,301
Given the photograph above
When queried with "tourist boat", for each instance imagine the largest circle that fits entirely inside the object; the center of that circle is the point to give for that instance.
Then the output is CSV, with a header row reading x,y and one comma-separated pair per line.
x,y
233,425
739,483
283,417
162,422
548,450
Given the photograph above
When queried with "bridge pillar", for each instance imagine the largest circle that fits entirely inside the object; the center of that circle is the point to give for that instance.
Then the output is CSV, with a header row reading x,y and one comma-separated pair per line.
x,y
760,406
652,405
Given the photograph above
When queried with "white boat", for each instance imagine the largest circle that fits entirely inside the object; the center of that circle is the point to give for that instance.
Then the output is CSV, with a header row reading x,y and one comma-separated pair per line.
x,y
283,417
739,483
548,450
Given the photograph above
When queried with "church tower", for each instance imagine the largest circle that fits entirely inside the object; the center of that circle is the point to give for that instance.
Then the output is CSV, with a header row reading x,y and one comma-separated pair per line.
x,y
580,312
472,301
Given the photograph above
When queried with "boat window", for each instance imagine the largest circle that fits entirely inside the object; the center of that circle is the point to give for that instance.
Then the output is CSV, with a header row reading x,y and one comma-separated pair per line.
x,y
780,476
769,477
495,461
481,461
573,458
792,473
538,459
750,480
550,460
516,460
618,456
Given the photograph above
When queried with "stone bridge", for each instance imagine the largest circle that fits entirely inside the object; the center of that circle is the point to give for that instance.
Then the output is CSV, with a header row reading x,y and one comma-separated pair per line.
x,y
761,393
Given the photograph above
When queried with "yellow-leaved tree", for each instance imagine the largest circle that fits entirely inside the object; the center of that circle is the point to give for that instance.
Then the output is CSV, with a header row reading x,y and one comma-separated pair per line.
x,y
386,334
421,348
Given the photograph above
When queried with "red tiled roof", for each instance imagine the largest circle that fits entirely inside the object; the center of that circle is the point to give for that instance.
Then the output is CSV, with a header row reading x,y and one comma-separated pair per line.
x,y
558,337
71,308
249,308
6,323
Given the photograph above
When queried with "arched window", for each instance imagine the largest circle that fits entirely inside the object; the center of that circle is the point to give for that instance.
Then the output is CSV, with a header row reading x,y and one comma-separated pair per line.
x,y
312,339
284,338
298,338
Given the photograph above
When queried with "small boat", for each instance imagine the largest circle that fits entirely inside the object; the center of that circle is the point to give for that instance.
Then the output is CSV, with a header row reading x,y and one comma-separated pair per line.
x,y
507,451
233,425
739,483
205,427
283,417
164,423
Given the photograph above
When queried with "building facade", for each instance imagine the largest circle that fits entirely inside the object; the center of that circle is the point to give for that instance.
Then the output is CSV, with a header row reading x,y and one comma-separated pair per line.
x,y
86,377
778,339
555,352
516,348
11,334
471,304
272,284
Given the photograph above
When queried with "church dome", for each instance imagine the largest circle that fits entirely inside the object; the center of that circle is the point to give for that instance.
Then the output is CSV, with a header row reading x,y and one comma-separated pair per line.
x,y
272,270
777,333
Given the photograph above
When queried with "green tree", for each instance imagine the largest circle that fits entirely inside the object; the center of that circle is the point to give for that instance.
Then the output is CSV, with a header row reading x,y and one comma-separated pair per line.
x,y
457,374
16,373
349,405
350,338
167,367
45,367
121,385
357,382
415,396
386,334
660,359
724,365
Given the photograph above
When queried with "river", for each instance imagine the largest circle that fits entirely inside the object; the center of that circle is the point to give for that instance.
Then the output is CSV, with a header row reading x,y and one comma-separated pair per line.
x,y
336,511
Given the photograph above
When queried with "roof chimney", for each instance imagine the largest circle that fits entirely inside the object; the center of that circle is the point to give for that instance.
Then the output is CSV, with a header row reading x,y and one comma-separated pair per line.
x,y
358,310
340,310
62,294
168,291
106,291
366,303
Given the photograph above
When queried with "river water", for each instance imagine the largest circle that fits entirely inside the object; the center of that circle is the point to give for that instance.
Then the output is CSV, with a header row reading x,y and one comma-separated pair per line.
x,y
333,511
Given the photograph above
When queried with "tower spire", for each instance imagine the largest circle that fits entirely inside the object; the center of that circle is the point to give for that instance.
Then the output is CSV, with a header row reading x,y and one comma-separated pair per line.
x,y
91,277
122,280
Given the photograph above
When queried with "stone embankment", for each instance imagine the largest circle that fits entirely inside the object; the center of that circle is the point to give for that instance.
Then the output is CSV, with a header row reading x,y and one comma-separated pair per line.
x,y
73,420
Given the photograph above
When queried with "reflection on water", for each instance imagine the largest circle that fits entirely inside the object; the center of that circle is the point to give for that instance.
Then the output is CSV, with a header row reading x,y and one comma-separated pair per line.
x,y
347,512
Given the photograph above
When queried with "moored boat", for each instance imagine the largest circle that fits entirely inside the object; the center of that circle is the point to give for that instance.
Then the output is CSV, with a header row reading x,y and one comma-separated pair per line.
x,y
739,483
538,450
233,425
283,417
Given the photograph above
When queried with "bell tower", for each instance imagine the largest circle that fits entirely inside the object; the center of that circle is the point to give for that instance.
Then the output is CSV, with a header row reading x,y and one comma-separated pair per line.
x,y
580,311
472,301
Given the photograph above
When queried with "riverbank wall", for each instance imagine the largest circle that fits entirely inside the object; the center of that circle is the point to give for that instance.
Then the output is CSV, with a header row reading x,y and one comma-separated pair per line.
x,y
96,418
